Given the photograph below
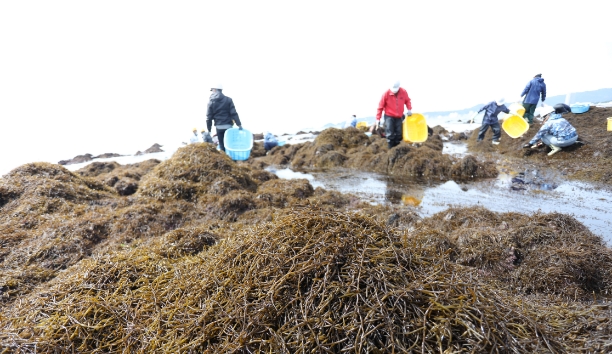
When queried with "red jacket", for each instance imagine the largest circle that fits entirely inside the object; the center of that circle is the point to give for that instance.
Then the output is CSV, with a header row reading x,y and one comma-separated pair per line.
x,y
393,105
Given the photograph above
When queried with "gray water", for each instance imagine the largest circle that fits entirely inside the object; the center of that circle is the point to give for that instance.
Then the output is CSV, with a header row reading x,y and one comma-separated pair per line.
x,y
525,191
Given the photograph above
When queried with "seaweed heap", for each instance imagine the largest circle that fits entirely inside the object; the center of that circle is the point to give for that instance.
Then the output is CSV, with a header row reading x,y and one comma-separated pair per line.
x,y
311,281
51,218
352,149
552,254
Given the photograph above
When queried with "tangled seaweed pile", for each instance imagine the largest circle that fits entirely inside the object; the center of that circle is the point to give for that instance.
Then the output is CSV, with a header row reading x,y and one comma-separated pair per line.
x,y
310,281
51,218
351,148
209,255
590,159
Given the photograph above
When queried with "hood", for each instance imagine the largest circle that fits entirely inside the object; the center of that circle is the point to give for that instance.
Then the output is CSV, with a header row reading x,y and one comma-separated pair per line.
x,y
555,116
539,79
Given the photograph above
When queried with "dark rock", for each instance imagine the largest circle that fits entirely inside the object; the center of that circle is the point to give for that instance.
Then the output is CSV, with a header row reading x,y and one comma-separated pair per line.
x,y
77,159
107,155
259,136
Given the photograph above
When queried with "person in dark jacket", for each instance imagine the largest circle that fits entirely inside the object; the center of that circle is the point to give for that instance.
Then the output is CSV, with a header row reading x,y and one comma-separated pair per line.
x,y
532,92
221,109
206,136
492,109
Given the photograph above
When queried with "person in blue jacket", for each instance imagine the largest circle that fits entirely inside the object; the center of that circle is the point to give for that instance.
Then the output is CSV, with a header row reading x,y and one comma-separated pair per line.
x,y
354,121
492,109
269,141
556,132
532,92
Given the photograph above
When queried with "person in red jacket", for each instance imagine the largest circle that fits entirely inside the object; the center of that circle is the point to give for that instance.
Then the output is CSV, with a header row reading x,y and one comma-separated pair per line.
x,y
393,102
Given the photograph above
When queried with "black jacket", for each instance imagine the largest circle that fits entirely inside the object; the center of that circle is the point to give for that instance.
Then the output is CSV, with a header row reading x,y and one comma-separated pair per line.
x,y
222,111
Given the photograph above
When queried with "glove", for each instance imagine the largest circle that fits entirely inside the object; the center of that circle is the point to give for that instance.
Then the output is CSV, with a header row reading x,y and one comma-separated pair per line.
x,y
240,127
409,113
378,124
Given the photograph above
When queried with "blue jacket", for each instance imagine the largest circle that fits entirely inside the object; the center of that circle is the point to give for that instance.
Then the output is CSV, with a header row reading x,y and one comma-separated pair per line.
x,y
533,90
269,138
556,126
491,111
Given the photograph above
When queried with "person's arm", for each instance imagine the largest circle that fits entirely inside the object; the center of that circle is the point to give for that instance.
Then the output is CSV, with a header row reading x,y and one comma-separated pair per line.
x,y
543,92
505,109
526,89
209,117
381,106
408,102
545,128
234,114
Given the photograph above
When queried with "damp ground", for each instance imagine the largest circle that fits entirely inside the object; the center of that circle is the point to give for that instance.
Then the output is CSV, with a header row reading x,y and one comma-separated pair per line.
x,y
525,191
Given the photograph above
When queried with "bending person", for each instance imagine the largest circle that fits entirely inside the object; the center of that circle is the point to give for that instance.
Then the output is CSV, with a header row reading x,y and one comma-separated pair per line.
x,y
492,109
556,132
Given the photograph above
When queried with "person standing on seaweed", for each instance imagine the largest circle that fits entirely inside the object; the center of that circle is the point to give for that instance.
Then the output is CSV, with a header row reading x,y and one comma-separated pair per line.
x,y
492,109
557,132
221,109
534,89
392,103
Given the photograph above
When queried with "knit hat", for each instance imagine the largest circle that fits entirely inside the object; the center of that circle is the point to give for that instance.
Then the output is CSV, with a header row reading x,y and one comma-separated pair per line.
x,y
538,75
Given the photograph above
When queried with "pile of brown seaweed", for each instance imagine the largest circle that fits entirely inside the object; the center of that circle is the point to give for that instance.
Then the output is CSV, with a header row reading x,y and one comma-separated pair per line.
x,y
308,281
350,148
209,255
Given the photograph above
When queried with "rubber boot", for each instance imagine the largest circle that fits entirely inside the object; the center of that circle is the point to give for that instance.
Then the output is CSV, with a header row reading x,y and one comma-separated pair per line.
x,y
555,149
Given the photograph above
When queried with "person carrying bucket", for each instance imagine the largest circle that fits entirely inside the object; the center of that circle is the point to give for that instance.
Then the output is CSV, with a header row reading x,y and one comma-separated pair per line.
x,y
269,141
532,92
221,109
392,103
557,132
492,109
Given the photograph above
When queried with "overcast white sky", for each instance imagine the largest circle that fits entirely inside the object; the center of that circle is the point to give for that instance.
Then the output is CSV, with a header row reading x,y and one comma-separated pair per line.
x,y
117,76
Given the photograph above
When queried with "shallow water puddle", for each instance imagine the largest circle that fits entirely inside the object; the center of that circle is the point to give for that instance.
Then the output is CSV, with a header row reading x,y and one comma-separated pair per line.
x,y
524,192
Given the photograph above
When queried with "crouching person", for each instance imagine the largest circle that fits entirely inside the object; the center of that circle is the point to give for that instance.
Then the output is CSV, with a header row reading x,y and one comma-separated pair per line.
x,y
269,141
556,132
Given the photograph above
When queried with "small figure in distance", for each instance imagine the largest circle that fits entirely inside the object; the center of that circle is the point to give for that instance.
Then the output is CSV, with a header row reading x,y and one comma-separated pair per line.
x,y
194,138
269,141
532,92
354,121
206,136
557,132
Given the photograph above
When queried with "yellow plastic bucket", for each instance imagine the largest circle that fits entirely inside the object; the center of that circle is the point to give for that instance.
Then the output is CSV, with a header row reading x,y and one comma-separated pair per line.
x,y
515,126
414,129
518,108
411,200
362,124
610,124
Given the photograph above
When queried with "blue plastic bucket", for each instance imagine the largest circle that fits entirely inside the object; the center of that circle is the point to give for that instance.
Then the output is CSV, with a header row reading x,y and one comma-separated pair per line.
x,y
579,108
281,143
238,143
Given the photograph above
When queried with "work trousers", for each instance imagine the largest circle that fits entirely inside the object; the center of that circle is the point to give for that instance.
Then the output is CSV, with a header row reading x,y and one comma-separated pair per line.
x,y
496,131
551,140
220,135
529,111
393,131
